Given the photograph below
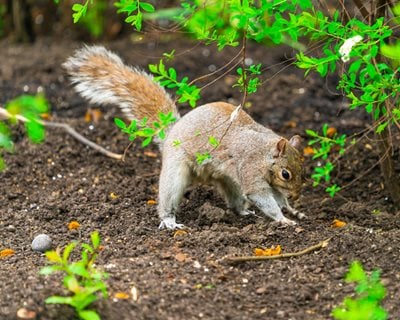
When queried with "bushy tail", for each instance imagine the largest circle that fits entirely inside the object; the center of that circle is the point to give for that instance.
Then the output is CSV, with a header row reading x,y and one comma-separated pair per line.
x,y
101,77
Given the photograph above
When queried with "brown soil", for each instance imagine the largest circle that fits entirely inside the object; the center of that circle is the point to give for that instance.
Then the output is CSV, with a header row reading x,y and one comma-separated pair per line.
x,y
46,186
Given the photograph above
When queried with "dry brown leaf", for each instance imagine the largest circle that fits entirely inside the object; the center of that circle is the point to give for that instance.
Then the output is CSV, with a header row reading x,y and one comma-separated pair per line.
x,y
338,223
45,116
331,132
121,295
6,253
73,225
93,115
180,233
274,251
308,151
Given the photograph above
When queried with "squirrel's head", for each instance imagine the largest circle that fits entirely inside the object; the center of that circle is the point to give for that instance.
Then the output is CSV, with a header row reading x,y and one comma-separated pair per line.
x,y
286,167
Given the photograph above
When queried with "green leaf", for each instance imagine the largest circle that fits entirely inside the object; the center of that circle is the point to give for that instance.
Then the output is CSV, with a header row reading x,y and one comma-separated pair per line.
x,y
53,256
79,269
71,283
120,123
67,251
49,270
356,273
147,141
146,7
35,131
95,237
213,141
58,300
88,315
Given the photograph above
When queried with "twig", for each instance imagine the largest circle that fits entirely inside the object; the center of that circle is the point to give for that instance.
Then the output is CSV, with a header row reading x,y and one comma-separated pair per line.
x,y
4,114
320,245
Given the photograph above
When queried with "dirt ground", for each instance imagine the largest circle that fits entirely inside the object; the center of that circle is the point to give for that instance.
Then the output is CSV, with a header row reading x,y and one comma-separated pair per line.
x,y
46,186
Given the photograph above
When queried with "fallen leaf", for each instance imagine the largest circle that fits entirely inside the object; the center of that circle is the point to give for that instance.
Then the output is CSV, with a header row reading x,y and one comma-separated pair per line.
x,y
24,313
308,151
290,124
274,251
45,116
6,253
93,115
151,202
121,295
331,132
338,224
73,225
150,154
180,233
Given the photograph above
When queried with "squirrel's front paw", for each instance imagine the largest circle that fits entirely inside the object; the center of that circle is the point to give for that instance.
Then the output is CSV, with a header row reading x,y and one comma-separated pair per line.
x,y
287,222
170,224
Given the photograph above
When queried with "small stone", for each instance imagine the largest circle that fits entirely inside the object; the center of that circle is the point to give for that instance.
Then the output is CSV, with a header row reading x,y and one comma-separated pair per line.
x,y
41,243
24,313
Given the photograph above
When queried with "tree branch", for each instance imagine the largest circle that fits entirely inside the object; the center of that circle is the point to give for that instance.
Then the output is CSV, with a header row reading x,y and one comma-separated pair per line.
x,y
4,114
320,245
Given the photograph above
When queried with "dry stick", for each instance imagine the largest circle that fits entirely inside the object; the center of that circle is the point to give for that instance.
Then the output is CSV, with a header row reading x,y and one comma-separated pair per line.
x,y
4,114
320,245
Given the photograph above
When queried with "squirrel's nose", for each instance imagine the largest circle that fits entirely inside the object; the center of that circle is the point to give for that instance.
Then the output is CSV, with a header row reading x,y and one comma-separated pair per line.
x,y
294,196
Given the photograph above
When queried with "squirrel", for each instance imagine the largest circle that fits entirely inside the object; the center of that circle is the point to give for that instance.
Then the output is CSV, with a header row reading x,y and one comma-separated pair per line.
x,y
251,165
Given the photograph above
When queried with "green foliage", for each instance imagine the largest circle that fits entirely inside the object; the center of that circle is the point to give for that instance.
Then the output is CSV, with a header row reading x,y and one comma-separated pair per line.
x,y
168,78
322,146
30,107
134,9
142,130
81,278
369,294
201,157
79,10
248,80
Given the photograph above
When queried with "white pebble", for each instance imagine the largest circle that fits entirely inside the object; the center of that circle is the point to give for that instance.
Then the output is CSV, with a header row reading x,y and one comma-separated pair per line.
x,y
41,243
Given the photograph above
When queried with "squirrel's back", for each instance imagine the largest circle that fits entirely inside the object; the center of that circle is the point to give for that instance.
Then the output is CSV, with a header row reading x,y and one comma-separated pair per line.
x,y
101,77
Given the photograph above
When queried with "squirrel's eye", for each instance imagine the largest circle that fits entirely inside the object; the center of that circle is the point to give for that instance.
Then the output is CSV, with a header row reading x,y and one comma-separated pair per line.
x,y
285,174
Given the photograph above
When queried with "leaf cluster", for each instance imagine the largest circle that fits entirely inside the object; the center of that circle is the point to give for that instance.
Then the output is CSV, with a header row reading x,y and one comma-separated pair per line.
x,y
134,10
167,77
141,129
30,107
81,278
323,144
370,292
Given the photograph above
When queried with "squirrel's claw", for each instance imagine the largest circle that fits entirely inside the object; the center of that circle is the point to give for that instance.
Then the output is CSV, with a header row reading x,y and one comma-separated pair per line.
x,y
170,224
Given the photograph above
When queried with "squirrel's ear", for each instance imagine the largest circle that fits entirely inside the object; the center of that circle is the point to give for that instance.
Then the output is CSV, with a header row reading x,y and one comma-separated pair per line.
x,y
295,142
280,148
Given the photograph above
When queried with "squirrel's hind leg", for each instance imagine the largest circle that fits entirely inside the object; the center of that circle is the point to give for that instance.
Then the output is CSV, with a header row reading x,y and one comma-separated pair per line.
x,y
175,177
233,196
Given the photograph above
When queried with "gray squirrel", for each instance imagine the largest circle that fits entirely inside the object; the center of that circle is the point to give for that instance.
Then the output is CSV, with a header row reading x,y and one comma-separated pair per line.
x,y
252,165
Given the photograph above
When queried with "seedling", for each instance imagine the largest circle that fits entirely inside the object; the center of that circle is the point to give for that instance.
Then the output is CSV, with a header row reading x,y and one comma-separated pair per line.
x,y
366,305
84,282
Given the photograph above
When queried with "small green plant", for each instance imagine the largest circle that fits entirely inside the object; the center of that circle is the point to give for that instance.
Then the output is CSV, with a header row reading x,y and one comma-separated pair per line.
x,y
28,107
81,278
370,292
